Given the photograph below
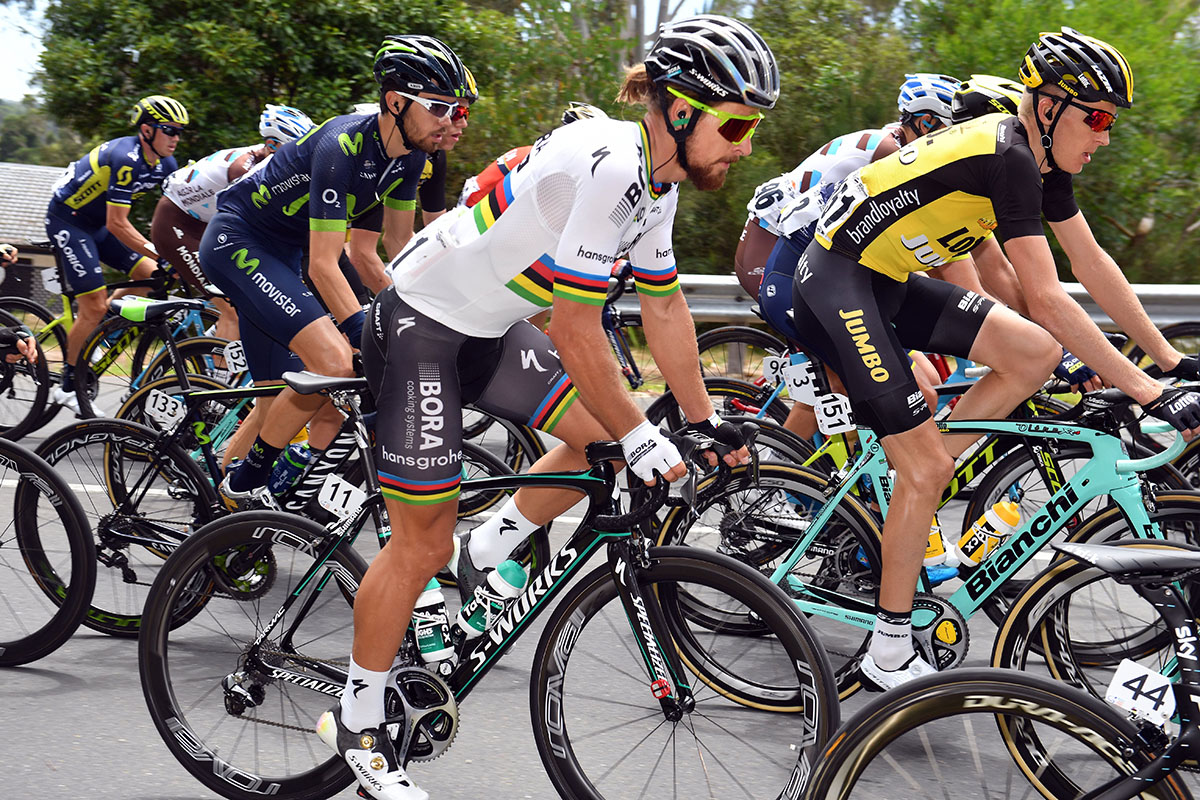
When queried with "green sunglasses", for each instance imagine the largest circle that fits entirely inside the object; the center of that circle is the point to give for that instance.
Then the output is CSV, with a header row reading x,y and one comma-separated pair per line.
x,y
736,128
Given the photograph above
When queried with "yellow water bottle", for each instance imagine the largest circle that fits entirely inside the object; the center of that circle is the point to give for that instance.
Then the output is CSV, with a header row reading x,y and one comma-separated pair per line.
x,y
988,532
935,550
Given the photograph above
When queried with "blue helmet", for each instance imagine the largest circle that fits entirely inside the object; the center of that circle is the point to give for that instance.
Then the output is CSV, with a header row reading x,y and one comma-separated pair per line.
x,y
283,123
927,92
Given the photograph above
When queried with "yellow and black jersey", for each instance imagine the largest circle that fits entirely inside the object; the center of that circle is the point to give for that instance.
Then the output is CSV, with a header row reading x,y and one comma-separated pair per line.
x,y
934,200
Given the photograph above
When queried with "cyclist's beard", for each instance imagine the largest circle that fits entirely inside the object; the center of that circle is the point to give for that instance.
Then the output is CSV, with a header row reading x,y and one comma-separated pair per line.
x,y
705,177
426,144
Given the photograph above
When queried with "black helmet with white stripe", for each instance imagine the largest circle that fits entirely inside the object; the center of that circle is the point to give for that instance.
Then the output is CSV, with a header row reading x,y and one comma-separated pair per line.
x,y
712,58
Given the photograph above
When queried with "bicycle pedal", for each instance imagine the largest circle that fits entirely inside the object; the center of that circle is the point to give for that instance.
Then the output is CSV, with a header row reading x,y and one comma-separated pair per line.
x,y
939,631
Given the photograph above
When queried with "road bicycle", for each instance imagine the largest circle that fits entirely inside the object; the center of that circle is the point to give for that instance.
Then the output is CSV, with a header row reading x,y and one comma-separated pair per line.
x,y
697,670
47,559
24,389
821,543
999,732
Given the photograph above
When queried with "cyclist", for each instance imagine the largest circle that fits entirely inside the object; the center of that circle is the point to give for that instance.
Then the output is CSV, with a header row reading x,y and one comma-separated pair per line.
x,y
189,200
937,198
453,330
477,187
88,217
398,222
337,177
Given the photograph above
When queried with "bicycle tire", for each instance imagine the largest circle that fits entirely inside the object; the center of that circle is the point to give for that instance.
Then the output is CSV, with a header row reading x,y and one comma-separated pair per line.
x,y
760,523
790,689
24,390
1183,336
177,662
134,485
938,711
51,338
206,354
1015,476
737,351
730,397
47,558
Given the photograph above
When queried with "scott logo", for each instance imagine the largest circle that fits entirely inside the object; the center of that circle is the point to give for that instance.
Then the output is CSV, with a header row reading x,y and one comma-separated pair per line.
x,y
862,340
350,147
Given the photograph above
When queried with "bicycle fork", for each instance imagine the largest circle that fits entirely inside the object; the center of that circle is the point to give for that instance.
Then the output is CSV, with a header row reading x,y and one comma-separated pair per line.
x,y
667,681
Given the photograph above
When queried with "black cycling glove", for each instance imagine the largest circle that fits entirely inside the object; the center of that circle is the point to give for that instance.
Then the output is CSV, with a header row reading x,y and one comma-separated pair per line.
x,y
727,436
1188,369
9,337
1179,407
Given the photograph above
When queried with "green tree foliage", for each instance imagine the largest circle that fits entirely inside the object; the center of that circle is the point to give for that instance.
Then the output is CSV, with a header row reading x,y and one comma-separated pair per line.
x,y
28,136
841,62
1140,193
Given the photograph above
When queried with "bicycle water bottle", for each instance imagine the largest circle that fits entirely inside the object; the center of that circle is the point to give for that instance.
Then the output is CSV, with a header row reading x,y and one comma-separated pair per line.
x,y
289,467
988,532
935,550
431,626
503,584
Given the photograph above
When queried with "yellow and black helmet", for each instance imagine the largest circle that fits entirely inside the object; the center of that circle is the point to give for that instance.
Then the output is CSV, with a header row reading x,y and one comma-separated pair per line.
x,y
158,109
1087,69
985,94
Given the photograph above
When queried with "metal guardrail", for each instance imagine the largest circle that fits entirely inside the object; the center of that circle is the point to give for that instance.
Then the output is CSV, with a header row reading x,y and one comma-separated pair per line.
x,y
719,298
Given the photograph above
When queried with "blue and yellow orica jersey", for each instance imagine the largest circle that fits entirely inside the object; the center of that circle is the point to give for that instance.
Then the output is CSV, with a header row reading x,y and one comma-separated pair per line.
x,y
115,173
336,175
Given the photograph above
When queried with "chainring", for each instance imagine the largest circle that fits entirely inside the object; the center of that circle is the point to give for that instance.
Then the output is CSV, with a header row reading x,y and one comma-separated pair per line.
x,y
939,631
422,714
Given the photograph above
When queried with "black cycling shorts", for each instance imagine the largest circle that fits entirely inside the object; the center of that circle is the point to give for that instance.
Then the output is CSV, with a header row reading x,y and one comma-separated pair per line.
x,y
422,373
862,323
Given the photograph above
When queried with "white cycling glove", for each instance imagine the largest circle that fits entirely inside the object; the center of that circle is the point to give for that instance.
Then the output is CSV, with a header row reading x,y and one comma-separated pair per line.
x,y
647,451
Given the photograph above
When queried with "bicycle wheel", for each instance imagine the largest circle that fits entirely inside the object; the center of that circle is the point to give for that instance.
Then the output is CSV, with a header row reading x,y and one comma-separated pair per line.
x,y
141,495
212,423
730,397
1183,336
760,523
516,445
1109,622
24,389
51,337
204,355
266,749
737,351
982,733
47,558
1015,476
764,704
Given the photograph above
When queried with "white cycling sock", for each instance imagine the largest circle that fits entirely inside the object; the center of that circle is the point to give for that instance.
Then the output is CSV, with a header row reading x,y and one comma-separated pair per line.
x,y
362,699
891,644
494,540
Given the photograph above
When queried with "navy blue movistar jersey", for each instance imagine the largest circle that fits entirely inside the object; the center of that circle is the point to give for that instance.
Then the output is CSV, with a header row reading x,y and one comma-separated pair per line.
x,y
113,174
336,175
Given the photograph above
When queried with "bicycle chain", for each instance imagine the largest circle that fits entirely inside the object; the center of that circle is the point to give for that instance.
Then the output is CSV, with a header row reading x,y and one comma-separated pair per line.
x,y
293,657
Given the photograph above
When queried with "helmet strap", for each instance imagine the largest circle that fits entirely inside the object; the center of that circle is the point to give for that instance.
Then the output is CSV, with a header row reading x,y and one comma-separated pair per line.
x,y
1047,135
398,118
149,140
680,133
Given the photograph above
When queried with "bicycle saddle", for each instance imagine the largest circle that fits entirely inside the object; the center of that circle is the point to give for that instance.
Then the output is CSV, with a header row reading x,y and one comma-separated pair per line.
x,y
140,309
310,383
1169,564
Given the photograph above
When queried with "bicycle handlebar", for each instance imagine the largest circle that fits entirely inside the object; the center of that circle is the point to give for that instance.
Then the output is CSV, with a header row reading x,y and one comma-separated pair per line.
x,y
1158,459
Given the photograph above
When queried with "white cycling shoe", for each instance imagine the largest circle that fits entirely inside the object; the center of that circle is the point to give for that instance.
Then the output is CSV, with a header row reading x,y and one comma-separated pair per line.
x,y
371,758
877,679
67,400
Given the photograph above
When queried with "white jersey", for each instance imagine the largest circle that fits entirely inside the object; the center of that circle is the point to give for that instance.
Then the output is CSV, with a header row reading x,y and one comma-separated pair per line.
x,y
830,164
553,227
194,188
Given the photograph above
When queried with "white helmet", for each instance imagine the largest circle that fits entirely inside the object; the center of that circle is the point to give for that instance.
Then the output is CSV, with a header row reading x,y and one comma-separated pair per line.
x,y
576,111
283,123
365,108
927,92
